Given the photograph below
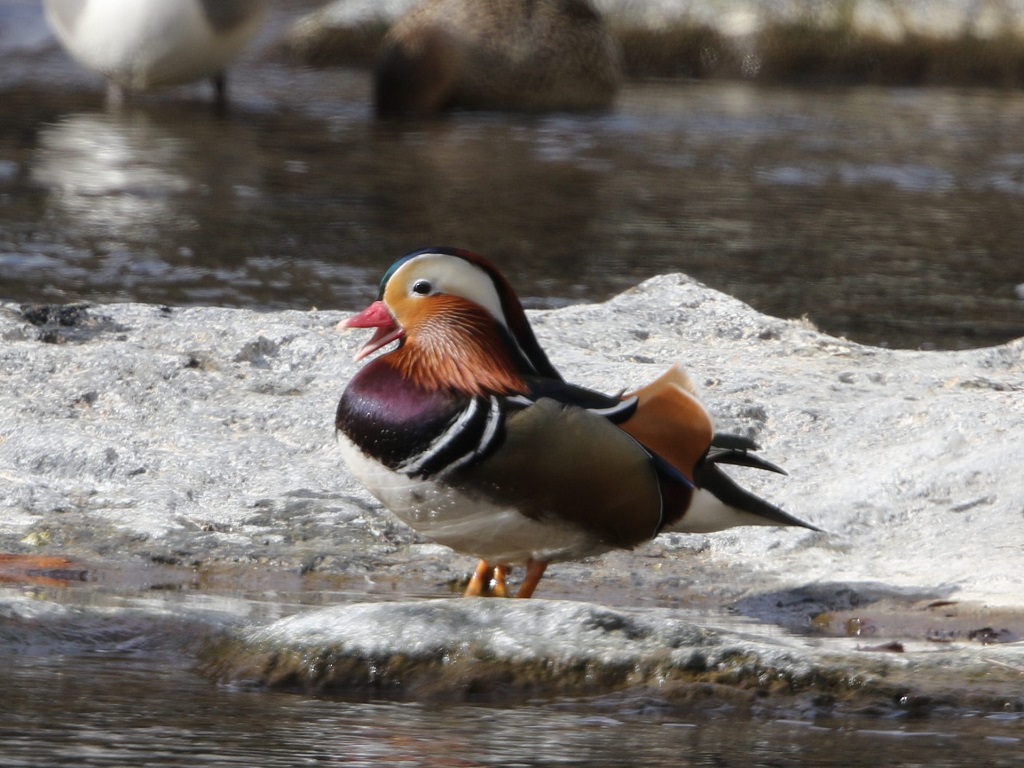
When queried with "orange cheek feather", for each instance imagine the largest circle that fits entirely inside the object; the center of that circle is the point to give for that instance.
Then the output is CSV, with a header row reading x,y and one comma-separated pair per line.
x,y
450,343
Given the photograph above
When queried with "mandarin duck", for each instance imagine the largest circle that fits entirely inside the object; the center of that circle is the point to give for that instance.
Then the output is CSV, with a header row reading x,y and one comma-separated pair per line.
x,y
145,44
468,434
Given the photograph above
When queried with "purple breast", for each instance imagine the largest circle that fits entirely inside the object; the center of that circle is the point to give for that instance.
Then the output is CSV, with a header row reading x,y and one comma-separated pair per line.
x,y
389,417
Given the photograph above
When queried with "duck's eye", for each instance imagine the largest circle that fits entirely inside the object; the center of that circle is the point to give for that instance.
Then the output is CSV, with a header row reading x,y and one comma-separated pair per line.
x,y
422,287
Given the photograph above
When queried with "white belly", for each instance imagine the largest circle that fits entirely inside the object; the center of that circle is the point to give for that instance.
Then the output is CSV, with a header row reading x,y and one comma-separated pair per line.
x,y
150,43
467,523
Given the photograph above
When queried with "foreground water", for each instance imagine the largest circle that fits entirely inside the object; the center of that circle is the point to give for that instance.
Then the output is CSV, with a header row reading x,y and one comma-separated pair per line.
x,y
123,709
106,691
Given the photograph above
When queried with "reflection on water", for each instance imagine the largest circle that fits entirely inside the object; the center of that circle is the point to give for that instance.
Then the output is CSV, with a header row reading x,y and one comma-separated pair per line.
x,y
889,216
117,710
114,178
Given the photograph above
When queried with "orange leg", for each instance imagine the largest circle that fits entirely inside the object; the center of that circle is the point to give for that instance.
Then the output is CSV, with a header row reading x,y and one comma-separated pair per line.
x,y
498,584
487,581
534,573
480,580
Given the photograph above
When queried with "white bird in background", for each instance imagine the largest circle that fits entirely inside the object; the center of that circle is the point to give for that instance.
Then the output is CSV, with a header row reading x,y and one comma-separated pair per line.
x,y
139,45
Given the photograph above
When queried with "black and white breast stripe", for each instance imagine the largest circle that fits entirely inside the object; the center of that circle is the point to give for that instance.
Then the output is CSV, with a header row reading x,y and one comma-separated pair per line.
x,y
473,434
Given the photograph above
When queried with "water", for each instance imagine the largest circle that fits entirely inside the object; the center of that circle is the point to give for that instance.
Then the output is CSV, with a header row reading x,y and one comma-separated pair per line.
x,y
105,688
891,216
116,710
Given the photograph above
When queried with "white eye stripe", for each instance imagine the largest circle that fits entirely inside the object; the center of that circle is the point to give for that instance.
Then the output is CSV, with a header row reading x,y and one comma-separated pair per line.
x,y
454,276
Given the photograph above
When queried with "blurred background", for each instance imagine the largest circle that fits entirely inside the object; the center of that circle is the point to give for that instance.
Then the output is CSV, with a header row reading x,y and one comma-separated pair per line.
x,y
809,161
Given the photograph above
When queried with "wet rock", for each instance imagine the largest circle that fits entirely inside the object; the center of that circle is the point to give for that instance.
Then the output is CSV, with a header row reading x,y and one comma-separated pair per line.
x,y
460,649
61,323
502,651
203,435
196,440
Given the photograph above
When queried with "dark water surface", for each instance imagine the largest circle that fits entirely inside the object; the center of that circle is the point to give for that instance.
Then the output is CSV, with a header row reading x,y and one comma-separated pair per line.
x,y
121,710
890,216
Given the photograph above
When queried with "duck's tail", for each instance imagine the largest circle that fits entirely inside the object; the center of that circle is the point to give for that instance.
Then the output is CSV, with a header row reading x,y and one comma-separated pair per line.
x,y
720,502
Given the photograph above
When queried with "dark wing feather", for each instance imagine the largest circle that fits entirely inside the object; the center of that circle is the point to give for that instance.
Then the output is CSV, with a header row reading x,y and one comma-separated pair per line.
x,y
733,442
741,459
610,407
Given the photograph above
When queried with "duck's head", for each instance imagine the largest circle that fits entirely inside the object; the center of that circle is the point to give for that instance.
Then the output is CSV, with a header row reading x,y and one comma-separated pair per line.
x,y
450,308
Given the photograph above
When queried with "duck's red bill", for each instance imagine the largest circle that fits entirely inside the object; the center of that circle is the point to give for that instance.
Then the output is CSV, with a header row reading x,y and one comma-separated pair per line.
x,y
376,316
